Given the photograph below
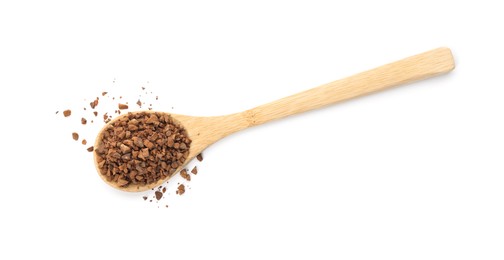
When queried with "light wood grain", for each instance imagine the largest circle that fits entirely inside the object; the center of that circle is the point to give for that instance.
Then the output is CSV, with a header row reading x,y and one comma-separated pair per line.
x,y
204,131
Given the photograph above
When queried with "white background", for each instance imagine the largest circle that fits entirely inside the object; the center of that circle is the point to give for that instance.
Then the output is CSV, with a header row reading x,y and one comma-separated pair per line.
x,y
416,172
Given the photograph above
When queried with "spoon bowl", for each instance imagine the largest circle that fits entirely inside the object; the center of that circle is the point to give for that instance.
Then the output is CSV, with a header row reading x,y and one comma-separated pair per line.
x,y
204,131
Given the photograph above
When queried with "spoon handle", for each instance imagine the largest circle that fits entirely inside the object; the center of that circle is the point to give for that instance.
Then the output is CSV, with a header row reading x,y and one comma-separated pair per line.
x,y
418,67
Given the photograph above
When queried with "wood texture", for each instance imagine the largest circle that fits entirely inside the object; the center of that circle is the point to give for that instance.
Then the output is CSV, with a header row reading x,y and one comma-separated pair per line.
x,y
204,131
411,69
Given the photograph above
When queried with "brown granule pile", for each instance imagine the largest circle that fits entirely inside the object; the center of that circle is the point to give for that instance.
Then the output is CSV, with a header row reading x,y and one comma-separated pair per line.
x,y
142,148
150,156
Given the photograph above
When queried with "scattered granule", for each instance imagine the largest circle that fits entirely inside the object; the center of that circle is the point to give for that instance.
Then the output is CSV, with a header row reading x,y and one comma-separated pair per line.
x,y
156,97
90,149
123,106
194,170
94,103
84,142
185,175
67,112
95,113
199,157
105,116
57,112
123,151
144,197
139,103
75,136
83,121
104,93
84,109
164,189
166,206
143,88
159,195
180,189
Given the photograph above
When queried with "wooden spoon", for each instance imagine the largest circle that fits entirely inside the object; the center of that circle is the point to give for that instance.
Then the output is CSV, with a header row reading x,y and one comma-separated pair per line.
x,y
204,131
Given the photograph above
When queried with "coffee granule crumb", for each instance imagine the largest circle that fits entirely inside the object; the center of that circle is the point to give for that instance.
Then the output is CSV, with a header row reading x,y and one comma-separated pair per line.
x,y
185,175
194,170
123,106
104,93
199,157
84,142
159,195
90,149
75,136
139,103
57,112
67,112
83,121
144,197
94,103
95,113
164,189
123,151
180,189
